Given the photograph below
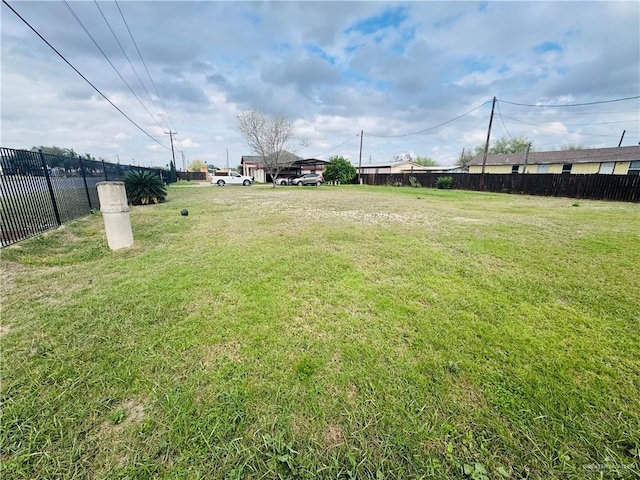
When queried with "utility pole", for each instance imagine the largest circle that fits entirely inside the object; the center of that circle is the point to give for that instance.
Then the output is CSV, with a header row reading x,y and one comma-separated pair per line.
x,y
623,132
173,154
227,159
360,161
184,165
462,156
486,145
526,158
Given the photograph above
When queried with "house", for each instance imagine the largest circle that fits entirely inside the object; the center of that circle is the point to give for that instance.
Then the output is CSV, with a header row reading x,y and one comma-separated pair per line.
x,y
437,169
388,167
293,165
608,161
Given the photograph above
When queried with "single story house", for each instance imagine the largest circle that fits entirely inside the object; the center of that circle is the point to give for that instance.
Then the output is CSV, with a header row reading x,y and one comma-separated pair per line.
x,y
387,167
607,161
293,165
437,169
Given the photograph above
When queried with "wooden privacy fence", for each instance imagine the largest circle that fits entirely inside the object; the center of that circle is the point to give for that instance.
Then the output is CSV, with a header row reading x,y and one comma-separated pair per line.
x,y
624,188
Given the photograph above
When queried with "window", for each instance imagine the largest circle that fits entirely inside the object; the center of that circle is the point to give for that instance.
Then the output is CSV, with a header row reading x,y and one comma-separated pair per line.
x,y
606,168
543,168
634,168
514,168
566,168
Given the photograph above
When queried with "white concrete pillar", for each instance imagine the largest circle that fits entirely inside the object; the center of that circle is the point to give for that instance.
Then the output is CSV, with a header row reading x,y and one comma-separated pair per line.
x,y
115,211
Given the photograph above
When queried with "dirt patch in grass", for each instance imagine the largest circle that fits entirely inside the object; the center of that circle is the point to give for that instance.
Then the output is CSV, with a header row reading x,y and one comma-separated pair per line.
x,y
214,354
113,441
8,273
333,435
4,330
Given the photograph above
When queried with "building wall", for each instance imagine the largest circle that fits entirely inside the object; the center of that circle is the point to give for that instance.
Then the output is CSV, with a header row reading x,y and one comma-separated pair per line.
x,y
585,168
621,168
556,168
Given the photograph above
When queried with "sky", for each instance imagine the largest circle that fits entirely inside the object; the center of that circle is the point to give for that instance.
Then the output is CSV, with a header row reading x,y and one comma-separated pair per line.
x,y
332,68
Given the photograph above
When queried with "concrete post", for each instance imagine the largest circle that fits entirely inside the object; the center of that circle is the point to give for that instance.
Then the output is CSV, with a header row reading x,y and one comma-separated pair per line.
x,y
115,211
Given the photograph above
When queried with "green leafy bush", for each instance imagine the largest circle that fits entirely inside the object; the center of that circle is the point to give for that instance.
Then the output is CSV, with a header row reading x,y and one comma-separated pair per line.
x,y
339,170
413,181
144,187
444,183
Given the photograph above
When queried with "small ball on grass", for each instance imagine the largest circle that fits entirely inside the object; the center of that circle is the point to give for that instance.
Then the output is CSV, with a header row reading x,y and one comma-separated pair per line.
x,y
184,212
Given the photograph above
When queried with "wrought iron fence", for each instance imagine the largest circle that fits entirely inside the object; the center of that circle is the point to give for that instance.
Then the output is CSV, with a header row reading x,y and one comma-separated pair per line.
x,y
40,192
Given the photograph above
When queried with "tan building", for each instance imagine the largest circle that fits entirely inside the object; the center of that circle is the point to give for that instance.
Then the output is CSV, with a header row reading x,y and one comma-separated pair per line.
x,y
388,167
605,161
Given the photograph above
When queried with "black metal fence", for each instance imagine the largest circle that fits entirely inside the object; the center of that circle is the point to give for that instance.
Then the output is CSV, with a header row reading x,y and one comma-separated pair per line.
x,y
40,192
594,187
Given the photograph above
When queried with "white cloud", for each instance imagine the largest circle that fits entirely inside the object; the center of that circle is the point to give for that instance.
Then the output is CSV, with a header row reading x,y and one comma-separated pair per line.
x,y
303,59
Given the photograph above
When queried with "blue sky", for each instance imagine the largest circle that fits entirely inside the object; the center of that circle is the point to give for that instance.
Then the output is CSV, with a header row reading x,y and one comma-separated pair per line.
x,y
334,68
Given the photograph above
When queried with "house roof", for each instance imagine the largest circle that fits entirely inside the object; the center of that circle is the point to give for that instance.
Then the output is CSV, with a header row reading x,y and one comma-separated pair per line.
x,y
389,164
287,158
587,155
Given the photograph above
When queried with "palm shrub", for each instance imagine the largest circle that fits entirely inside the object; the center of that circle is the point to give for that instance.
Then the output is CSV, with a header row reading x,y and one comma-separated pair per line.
x,y
144,187
444,183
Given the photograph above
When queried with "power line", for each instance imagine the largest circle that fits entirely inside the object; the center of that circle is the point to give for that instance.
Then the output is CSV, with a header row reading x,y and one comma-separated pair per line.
x,y
431,128
560,129
83,77
337,146
571,105
145,65
128,60
503,124
66,4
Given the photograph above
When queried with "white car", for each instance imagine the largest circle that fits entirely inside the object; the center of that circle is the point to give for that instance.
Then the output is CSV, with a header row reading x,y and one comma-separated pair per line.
x,y
230,178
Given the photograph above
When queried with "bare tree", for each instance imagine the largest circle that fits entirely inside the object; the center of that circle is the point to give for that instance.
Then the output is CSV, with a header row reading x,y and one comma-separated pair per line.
x,y
272,138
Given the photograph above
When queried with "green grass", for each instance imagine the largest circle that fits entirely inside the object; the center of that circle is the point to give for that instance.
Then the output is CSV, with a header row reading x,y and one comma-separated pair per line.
x,y
333,332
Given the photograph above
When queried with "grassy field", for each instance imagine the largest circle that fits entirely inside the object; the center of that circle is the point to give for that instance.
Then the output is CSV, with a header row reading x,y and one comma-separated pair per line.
x,y
333,332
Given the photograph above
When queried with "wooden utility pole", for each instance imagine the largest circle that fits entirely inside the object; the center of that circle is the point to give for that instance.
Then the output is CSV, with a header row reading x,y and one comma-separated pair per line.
x,y
173,154
526,158
620,143
486,145
360,161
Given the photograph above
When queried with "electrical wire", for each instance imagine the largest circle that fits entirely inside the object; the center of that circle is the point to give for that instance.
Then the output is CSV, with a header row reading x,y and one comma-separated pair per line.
x,y
66,4
561,130
337,146
83,77
145,66
129,60
502,120
430,128
571,105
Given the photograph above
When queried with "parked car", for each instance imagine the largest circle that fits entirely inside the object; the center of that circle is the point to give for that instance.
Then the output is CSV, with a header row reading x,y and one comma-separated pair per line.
x,y
231,178
282,181
308,179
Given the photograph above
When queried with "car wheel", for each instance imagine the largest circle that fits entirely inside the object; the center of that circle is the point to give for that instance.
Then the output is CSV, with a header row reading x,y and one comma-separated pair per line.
x,y
300,184
283,182
318,183
221,183
246,183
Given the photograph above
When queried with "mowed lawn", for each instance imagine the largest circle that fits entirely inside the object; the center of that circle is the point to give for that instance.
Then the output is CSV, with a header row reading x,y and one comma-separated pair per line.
x,y
332,332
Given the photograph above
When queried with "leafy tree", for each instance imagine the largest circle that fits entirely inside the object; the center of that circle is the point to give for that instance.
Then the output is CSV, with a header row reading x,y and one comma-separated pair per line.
x,y
272,138
571,146
466,157
144,187
339,169
425,161
506,145
197,166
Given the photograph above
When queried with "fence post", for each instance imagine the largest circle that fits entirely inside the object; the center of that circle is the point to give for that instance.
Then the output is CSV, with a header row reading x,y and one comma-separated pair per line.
x,y
56,212
104,170
84,179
